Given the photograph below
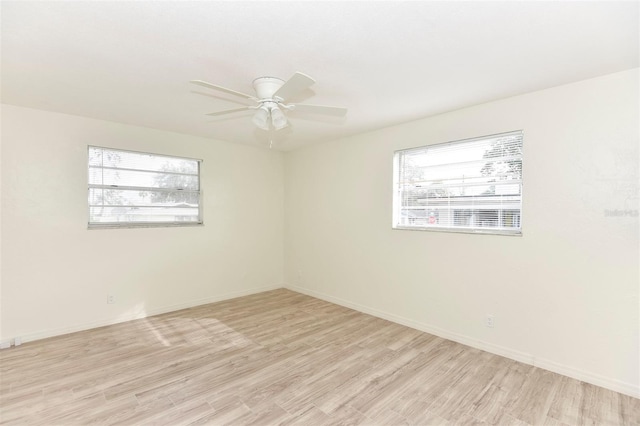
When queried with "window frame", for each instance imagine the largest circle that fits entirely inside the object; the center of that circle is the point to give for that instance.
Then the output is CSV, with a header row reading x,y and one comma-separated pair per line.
x,y
124,225
398,193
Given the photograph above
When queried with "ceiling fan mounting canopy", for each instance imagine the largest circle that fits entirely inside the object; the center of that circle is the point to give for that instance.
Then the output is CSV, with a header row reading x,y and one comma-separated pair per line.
x,y
271,94
266,87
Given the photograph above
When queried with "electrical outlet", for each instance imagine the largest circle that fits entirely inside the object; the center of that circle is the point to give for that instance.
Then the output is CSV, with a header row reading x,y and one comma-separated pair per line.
x,y
111,299
489,321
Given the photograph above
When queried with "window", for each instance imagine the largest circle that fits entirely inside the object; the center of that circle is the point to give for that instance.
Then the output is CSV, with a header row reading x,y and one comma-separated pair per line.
x,y
473,185
138,189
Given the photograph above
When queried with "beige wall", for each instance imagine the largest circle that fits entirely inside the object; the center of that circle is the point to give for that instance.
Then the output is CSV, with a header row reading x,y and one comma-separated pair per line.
x,y
564,295
56,274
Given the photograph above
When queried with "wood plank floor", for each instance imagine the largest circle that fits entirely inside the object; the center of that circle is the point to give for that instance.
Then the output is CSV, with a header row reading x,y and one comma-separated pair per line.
x,y
281,358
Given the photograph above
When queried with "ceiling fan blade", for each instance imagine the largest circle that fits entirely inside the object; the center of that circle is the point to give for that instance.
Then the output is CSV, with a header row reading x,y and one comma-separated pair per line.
x,y
297,83
222,89
229,111
320,109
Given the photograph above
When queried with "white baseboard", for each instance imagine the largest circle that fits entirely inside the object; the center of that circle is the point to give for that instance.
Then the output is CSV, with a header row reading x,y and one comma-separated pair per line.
x,y
526,358
138,315
588,377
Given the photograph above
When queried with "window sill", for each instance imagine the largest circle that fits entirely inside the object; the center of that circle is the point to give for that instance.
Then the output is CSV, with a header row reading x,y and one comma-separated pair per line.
x,y
92,227
517,233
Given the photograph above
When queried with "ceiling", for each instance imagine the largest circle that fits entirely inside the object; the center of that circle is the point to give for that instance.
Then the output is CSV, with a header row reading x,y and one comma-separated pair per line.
x,y
387,62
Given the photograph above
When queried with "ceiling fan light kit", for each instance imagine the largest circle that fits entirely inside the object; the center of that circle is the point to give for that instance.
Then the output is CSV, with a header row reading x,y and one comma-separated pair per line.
x,y
278,119
271,94
261,119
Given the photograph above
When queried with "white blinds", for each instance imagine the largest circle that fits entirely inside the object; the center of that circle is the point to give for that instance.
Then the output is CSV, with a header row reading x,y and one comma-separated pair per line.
x,y
473,185
138,189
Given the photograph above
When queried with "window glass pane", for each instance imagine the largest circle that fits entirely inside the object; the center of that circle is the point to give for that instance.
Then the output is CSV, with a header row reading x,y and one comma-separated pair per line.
x,y
123,215
112,158
126,197
100,176
131,188
473,185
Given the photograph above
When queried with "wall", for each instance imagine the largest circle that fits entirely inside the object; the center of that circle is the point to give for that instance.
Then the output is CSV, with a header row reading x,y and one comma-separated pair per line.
x,y
3,344
56,274
564,295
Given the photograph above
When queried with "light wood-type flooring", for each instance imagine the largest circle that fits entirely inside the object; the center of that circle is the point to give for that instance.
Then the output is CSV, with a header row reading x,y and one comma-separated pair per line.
x,y
280,358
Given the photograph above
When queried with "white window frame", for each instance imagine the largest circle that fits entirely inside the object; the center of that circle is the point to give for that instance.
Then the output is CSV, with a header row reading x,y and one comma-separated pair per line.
x,y
147,224
447,202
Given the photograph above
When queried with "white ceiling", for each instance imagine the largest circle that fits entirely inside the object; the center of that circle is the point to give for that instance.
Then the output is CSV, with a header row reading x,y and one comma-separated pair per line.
x,y
388,62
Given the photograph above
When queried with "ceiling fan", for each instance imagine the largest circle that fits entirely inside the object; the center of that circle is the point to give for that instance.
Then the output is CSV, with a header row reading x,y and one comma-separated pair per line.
x,y
271,95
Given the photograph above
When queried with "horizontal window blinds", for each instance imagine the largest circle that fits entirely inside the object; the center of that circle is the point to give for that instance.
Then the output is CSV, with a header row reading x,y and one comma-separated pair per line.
x,y
473,185
139,189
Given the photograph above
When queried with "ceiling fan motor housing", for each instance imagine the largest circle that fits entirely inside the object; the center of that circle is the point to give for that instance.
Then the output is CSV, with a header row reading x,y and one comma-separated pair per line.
x,y
265,87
